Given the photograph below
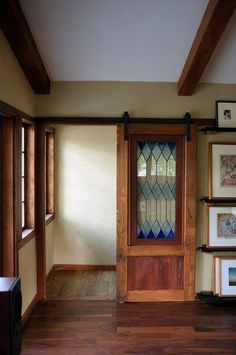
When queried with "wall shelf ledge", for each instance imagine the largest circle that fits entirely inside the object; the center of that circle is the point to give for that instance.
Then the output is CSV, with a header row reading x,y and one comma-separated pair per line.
x,y
206,249
210,297
206,199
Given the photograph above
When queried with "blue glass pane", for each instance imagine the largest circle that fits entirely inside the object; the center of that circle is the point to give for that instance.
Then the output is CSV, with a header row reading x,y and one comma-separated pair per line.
x,y
156,190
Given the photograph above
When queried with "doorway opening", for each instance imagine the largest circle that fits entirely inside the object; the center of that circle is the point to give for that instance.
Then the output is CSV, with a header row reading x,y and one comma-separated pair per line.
x,y
81,241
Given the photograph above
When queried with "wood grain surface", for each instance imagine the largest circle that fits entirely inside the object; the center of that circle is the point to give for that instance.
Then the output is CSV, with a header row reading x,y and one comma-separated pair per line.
x,y
155,272
105,327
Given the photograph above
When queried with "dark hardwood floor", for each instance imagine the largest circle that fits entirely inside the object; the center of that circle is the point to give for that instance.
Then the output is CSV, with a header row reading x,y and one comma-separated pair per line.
x,y
105,327
84,285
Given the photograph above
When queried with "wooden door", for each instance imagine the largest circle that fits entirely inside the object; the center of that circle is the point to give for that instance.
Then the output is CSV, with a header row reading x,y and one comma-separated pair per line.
x,y
156,213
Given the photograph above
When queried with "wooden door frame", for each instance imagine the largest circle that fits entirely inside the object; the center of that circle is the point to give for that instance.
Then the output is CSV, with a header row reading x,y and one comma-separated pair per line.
x,y
40,202
10,193
189,213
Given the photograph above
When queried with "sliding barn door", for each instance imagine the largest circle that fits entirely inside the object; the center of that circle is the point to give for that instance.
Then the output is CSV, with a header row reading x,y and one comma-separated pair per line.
x,y
156,213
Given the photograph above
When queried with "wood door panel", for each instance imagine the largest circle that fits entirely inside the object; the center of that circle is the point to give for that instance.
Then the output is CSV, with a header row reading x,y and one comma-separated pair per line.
x,y
155,296
155,272
155,250
163,129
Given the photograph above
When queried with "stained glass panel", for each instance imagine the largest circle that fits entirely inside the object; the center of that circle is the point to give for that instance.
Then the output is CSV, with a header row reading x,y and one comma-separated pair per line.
x,y
156,190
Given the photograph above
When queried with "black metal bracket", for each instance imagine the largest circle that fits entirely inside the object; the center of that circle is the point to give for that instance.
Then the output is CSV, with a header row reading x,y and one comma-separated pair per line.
x,y
188,118
203,247
126,125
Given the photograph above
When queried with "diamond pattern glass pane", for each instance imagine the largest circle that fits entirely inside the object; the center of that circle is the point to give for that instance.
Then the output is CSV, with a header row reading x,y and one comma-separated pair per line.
x,y
156,190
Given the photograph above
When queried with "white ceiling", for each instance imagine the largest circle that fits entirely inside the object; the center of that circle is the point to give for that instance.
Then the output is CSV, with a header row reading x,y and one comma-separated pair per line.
x,y
124,40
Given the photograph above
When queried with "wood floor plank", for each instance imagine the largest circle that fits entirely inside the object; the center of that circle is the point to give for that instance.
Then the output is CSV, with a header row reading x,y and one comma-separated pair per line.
x,y
105,327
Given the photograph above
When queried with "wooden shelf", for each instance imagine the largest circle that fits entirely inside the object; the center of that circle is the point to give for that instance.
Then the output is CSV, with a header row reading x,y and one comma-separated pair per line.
x,y
210,297
206,249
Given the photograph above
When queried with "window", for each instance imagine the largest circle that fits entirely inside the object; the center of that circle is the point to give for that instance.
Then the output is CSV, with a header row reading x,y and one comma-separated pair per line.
x,y
23,178
27,180
156,190
50,176
156,184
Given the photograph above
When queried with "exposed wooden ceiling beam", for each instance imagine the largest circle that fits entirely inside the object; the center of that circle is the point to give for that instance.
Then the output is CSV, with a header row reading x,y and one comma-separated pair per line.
x,y
18,34
213,24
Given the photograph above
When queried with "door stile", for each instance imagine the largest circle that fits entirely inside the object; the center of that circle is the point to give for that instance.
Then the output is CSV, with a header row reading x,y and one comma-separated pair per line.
x,y
122,214
190,216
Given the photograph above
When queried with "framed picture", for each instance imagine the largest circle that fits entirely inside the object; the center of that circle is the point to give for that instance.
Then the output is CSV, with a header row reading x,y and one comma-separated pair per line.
x,y
221,226
222,171
226,114
225,276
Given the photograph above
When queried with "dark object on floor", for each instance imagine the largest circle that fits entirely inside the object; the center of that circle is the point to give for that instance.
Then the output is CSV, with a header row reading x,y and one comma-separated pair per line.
x,y
10,316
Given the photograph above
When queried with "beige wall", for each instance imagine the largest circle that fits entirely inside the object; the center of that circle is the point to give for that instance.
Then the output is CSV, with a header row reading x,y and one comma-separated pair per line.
x,y
14,88
140,99
27,272
85,225
50,246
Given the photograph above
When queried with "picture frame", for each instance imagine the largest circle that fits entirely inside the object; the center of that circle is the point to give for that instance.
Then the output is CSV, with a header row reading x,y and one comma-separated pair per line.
x,y
221,226
216,270
226,114
222,171
225,276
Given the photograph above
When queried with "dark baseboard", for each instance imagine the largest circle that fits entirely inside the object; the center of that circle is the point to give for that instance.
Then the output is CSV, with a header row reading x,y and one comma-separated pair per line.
x,y
29,311
85,267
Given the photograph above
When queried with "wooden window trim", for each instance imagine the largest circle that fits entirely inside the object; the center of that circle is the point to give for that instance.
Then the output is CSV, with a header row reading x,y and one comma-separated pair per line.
x,y
50,175
49,218
28,121
9,262
23,200
28,235
28,232
178,139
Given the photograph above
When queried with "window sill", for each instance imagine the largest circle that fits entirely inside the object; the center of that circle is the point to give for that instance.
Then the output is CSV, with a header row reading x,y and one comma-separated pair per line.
x,y
26,236
49,218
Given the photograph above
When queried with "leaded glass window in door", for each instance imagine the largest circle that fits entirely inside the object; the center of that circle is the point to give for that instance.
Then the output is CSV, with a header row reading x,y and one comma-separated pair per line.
x,y
156,190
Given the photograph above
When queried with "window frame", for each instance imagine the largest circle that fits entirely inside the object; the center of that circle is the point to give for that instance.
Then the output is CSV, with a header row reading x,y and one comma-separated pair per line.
x,y
28,229
133,139
49,174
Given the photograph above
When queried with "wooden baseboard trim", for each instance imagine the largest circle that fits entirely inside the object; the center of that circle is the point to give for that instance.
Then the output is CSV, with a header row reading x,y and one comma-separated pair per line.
x,y
50,272
85,267
29,311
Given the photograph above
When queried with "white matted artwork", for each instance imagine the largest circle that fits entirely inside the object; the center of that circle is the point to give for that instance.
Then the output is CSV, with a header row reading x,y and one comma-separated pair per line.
x,y
221,226
226,114
225,276
228,276
222,170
